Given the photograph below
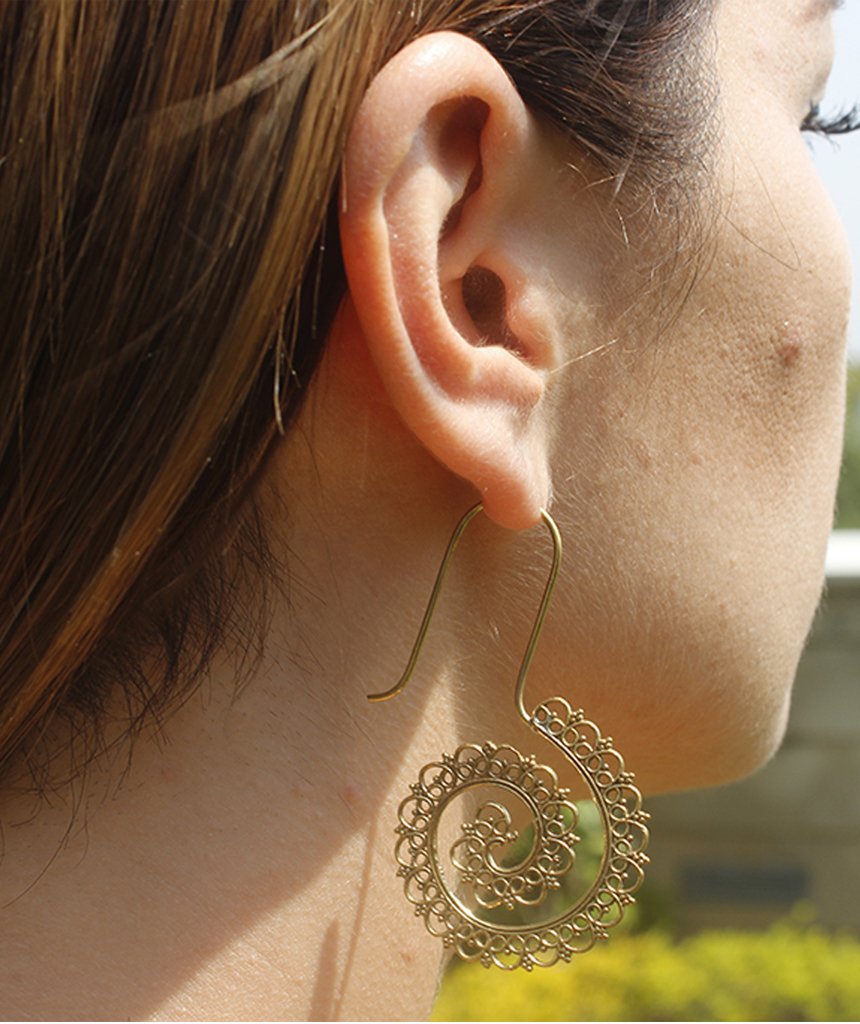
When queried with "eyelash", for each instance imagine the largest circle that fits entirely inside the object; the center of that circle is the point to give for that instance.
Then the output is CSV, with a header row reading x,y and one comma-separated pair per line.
x,y
838,124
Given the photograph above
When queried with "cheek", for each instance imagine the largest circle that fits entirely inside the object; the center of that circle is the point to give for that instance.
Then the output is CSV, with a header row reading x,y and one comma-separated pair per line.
x,y
779,313
698,484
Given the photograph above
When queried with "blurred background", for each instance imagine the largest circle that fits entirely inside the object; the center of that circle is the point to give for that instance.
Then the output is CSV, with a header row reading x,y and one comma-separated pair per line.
x,y
751,910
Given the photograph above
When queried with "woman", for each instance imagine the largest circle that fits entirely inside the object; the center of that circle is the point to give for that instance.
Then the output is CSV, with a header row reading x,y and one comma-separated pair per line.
x,y
287,287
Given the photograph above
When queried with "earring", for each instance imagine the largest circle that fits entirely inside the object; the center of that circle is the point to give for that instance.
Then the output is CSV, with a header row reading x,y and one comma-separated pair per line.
x,y
491,931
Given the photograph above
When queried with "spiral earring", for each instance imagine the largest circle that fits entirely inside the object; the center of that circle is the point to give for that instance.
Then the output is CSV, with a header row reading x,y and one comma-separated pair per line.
x,y
491,930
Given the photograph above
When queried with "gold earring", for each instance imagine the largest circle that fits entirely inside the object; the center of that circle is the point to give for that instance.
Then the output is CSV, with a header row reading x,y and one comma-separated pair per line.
x,y
499,889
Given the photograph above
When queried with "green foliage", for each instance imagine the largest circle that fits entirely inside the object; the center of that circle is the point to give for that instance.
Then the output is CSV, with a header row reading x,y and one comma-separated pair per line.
x,y
792,972
848,500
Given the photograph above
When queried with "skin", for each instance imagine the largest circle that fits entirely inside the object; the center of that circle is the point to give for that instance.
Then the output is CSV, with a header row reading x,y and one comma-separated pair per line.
x,y
698,498
241,867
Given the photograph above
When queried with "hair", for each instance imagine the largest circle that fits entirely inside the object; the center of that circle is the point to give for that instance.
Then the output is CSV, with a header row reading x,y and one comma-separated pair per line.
x,y
169,268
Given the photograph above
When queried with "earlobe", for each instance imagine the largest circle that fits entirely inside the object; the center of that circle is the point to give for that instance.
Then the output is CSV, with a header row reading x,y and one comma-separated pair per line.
x,y
437,161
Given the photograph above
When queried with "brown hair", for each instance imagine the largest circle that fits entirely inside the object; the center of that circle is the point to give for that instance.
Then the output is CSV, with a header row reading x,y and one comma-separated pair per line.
x,y
168,271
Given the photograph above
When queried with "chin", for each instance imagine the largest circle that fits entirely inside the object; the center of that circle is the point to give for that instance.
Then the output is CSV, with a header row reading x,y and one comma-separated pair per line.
x,y
730,734
749,748
731,711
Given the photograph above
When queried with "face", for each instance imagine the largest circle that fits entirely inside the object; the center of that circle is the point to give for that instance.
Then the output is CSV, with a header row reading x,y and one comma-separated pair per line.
x,y
698,462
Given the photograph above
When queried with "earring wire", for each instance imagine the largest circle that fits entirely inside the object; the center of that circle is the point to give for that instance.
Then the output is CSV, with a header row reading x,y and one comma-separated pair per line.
x,y
543,608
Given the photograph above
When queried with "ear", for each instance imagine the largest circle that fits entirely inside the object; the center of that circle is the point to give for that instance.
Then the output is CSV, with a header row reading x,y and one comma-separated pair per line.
x,y
438,167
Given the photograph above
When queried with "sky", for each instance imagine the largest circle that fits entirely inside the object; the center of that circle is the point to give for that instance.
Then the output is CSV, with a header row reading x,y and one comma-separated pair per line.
x,y
839,164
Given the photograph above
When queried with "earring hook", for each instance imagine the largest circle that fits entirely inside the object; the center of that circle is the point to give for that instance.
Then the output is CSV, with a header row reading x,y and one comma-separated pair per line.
x,y
549,586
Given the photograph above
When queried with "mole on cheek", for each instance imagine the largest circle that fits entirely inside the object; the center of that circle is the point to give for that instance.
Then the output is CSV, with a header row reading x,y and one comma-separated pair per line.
x,y
788,344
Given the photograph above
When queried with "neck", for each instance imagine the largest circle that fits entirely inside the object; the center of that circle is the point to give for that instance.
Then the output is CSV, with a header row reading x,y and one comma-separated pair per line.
x,y
243,863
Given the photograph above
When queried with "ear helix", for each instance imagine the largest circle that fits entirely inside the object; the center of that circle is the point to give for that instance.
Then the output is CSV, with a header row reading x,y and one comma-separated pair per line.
x,y
490,928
